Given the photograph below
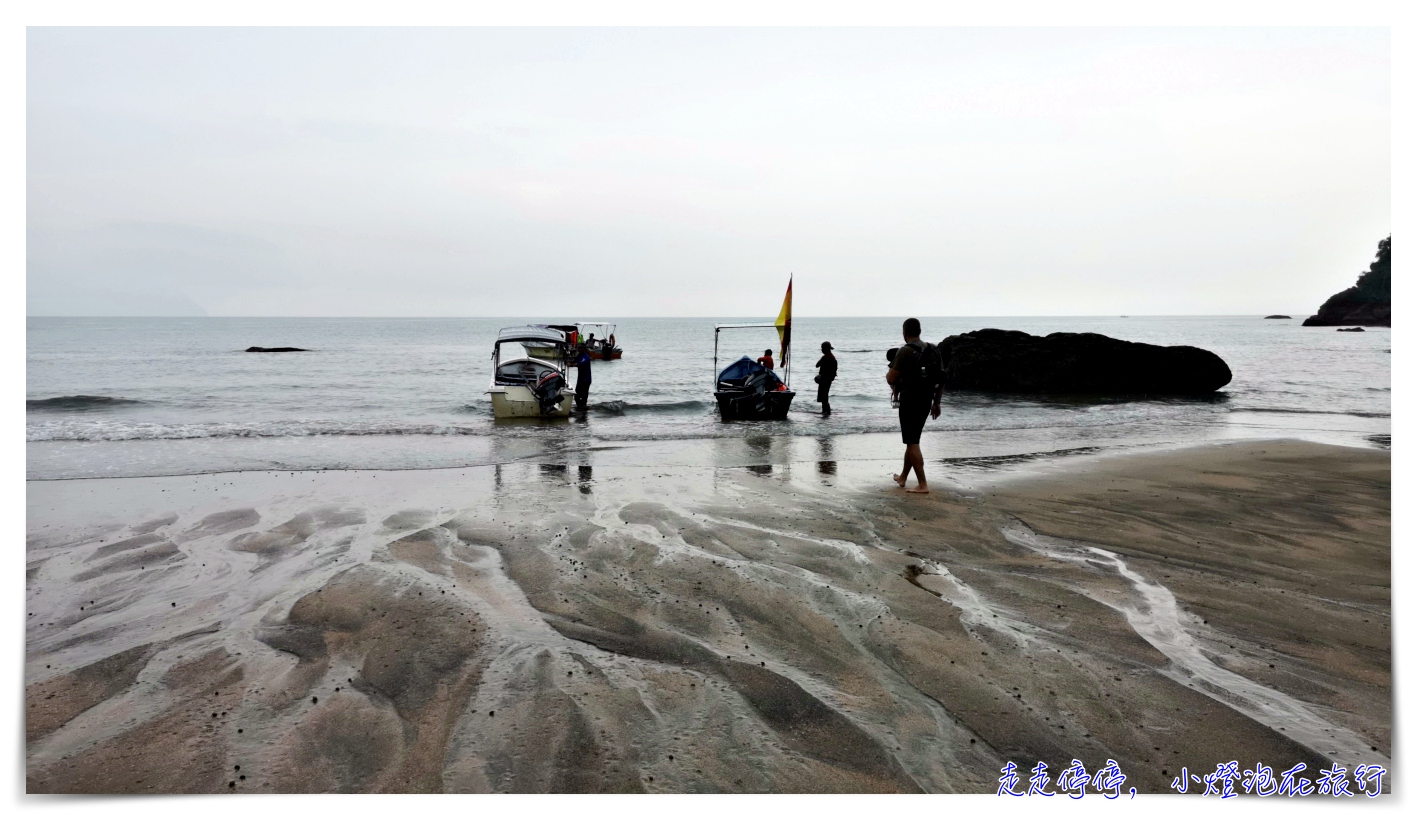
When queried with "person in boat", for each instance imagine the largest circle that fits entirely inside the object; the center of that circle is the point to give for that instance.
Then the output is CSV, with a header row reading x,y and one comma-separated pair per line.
x,y
916,373
826,372
767,359
583,376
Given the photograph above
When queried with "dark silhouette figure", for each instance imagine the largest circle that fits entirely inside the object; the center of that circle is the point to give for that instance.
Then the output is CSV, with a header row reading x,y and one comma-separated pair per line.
x,y
916,374
583,376
826,372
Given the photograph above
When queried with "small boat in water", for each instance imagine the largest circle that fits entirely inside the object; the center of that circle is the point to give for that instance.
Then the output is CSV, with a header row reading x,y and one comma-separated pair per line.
x,y
747,389
599,338
529,373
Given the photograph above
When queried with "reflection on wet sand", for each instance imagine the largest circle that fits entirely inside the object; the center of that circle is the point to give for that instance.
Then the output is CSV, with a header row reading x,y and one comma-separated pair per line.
x,y
505,629
826,459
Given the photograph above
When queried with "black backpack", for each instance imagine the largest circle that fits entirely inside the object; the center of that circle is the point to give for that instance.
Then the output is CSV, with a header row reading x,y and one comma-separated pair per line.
x,y
920,378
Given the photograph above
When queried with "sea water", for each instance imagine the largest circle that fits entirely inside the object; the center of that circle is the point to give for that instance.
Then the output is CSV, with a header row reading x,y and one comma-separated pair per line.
x,y
163,396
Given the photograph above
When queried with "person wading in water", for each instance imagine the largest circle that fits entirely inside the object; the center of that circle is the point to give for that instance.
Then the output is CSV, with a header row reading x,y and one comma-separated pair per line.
x,y
583,376
916,374
826,372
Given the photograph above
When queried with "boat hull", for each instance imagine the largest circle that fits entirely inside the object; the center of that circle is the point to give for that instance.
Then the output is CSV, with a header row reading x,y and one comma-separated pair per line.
x,y
517,402
743,405
600,355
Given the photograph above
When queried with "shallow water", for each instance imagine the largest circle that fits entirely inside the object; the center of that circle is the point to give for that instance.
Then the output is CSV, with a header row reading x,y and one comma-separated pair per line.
x,y
132,397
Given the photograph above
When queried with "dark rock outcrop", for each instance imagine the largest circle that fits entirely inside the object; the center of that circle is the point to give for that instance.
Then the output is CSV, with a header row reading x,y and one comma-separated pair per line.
x,y
1279,316
254,349
1367,303
1069,363
1351,330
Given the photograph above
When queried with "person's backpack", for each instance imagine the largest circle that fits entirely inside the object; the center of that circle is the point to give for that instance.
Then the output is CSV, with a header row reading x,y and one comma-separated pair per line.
x,y
921,377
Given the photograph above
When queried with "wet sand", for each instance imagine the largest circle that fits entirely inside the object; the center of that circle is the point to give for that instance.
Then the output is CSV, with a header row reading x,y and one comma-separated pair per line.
x,y
783,628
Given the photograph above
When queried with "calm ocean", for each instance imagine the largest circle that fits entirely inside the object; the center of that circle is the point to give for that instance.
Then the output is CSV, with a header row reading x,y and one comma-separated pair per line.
x,y
179,395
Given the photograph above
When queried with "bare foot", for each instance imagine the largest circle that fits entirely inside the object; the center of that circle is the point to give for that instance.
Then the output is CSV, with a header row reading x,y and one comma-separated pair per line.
x,y
899,480
921,488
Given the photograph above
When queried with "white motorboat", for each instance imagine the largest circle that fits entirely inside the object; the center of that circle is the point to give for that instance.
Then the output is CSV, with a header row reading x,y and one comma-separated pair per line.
x,y
529,373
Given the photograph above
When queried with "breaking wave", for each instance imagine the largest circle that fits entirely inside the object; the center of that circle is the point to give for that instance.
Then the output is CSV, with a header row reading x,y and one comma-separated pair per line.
x,y
131,431
78,402
620,407
1362,414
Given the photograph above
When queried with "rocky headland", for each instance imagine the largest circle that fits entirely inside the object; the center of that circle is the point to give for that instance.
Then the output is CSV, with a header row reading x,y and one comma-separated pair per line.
x,y
1367,303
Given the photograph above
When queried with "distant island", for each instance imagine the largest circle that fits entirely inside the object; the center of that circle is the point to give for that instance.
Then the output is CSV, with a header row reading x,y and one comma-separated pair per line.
x,y
1278,316
1367,303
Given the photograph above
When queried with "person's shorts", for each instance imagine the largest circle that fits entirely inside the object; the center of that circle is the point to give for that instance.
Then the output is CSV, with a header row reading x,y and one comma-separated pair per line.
x,y
822,389
913,420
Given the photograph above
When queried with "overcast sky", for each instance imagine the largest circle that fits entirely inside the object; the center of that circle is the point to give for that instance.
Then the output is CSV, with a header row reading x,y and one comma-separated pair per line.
x,y
661,172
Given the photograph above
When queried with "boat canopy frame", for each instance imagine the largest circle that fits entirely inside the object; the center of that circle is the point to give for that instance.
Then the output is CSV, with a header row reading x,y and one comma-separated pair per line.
x,y
787,370
608,327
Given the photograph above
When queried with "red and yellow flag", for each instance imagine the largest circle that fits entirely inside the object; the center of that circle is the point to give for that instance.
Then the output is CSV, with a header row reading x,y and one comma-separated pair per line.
x,y
784,324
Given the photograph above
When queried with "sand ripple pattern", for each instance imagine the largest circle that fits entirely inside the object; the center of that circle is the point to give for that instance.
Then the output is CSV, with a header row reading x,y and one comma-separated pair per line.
x,y
535,628
1153,613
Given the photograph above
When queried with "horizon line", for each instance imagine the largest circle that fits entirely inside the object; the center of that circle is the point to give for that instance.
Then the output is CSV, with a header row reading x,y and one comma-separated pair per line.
x,y
1297,315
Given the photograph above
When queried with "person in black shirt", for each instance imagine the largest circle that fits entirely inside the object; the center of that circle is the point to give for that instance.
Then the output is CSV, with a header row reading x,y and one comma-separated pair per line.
x,y
918,400
826,372
583,376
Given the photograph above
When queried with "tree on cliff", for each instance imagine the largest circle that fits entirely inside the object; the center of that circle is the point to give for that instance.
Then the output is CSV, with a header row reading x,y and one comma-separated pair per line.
x,y
1367,302
1373,284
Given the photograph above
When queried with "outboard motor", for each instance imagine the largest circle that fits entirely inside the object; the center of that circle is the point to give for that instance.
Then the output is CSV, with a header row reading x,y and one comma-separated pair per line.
x,y
548,392
760,382
757,384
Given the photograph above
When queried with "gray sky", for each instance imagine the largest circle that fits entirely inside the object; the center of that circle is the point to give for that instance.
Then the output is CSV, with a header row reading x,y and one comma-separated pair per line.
x,y
619,172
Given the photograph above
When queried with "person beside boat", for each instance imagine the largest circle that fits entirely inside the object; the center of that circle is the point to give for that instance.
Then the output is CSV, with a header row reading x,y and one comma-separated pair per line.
x,y
583,376
826,372
767,359
916,373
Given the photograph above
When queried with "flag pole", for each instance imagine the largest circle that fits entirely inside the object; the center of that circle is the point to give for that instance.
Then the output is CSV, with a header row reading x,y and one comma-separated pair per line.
x,y
785,333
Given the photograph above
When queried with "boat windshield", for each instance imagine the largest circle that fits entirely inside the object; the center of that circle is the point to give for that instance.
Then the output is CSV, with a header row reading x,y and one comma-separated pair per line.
x,y
550,351
523,372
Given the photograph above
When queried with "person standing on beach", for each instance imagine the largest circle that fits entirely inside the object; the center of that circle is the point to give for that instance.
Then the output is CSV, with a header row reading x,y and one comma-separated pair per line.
x,y
826,372
583,376
915,373
767,359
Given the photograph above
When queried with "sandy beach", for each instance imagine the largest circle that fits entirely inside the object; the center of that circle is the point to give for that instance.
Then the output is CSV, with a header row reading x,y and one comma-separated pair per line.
x,y
540,627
